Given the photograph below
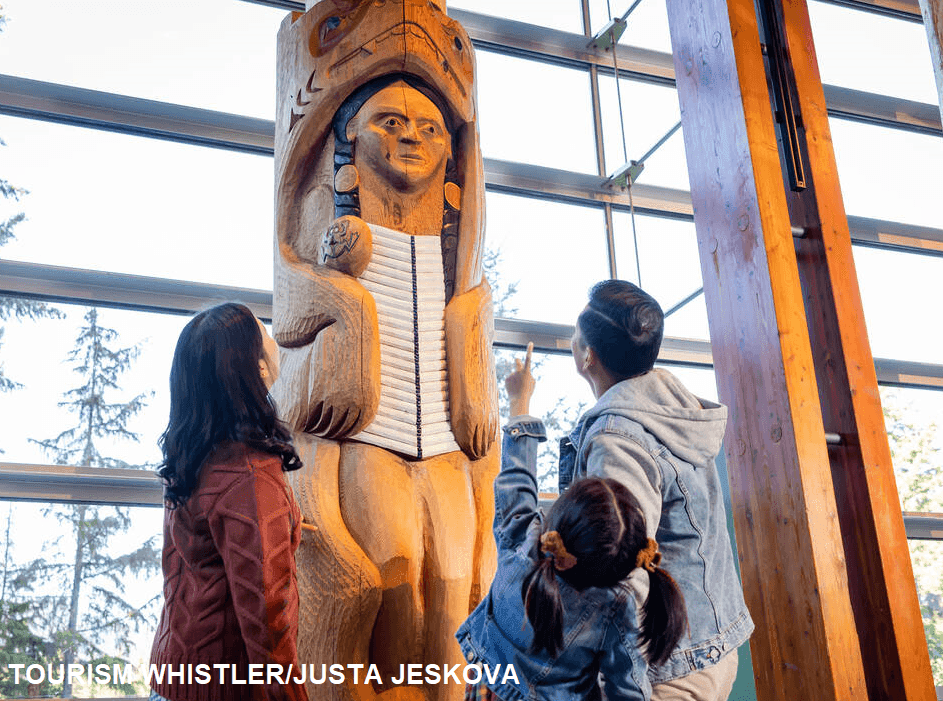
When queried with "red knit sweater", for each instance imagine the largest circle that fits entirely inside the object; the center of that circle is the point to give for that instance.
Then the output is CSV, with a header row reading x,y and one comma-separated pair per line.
x,y
230,593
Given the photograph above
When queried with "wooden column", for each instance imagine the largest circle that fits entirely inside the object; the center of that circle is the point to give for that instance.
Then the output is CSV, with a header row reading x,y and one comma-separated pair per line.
x,y
824,559
932,11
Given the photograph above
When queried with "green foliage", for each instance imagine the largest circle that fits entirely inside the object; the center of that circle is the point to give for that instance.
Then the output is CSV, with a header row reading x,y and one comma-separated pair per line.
x,y
18,643
915,451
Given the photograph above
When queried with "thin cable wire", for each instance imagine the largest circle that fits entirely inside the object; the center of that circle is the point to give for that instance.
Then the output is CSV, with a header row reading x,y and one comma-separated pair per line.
x,y
625,149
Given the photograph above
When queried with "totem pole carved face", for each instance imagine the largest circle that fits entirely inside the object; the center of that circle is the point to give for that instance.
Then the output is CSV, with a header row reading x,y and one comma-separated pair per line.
x,y
400,135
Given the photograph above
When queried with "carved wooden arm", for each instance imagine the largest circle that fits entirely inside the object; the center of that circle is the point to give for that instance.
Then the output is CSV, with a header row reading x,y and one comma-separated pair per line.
x,y
469,331
326,325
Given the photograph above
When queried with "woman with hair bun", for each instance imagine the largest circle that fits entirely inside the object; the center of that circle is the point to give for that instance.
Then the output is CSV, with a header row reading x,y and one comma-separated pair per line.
x,y
648,432
231,524
579,605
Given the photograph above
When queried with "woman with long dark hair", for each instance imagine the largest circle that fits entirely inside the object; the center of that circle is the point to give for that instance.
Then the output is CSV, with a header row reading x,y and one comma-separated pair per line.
x,y
596,607
231,524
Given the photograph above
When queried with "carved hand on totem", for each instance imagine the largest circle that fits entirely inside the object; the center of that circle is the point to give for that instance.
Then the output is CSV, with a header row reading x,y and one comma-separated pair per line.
x,y
472,385
331,353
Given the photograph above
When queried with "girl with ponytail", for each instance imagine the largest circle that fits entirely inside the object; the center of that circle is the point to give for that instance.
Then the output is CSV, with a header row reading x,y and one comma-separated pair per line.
x,y
579,605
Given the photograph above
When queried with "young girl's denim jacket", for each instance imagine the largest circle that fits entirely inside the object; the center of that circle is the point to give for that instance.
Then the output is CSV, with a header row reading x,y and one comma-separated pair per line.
x,y
600,653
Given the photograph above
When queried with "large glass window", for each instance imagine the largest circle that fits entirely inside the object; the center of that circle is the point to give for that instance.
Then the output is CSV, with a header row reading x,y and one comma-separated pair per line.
x,y
895,291
868,52
648,112
535,113
36,355
107,201
647,25
214,54
888,173
914,421
551,252
564,15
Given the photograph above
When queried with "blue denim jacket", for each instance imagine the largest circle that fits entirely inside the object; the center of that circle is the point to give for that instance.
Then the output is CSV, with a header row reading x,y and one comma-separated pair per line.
x,y
654,436
600,657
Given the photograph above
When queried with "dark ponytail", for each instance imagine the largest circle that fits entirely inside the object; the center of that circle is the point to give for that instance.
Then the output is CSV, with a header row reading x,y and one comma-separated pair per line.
x,y
663,619
544,608
600,533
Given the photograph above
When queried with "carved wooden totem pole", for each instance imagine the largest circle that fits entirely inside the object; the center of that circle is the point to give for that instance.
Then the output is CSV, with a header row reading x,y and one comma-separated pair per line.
x,y
385,326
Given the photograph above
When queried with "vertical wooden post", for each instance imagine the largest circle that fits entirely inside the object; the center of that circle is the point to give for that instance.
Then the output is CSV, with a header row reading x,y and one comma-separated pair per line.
x,y
824,558
932,11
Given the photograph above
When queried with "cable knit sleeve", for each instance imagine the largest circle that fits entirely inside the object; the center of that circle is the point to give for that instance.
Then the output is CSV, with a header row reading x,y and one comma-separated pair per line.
x,y
254,525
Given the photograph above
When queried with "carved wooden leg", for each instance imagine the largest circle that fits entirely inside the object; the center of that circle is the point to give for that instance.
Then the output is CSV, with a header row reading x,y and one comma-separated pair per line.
x,y
338,586
381,508
483,473
449,500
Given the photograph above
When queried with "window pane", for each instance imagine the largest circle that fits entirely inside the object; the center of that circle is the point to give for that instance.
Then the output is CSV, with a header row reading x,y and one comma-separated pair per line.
x,y
647,25
865,51
552,252
671,269
927,559
649,111
888,173
534,112
35,355
564,15
117,612
108,201
214,54
913,418
895,291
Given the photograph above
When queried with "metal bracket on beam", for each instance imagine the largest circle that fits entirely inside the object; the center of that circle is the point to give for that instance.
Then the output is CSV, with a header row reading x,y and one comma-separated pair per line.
x,y
626,175
607,37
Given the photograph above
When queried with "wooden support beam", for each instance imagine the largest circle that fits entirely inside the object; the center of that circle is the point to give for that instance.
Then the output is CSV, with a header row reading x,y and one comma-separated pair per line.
x,y
932,11
883,592
824,559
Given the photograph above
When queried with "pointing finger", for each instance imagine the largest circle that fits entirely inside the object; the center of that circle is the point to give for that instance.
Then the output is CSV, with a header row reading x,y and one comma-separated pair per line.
x,y
530,350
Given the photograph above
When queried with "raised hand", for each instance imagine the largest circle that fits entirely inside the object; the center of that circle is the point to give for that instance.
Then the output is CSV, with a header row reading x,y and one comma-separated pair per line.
x,y
520,384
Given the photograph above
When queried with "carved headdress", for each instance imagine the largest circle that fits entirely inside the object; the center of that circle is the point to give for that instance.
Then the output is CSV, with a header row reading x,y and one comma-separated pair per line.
x,y
324,56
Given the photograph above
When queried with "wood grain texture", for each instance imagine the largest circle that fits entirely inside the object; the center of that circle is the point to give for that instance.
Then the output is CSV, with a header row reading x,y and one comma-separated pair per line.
x,y
469,335
397,550
788,534
881,579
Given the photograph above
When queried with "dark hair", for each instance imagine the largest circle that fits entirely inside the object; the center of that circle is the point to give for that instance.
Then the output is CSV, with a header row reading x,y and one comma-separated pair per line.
x,y
601,525
216,395
349,202
624,325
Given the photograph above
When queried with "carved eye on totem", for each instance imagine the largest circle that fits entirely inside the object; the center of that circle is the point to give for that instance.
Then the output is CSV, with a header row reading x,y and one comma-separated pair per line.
x,y
327,32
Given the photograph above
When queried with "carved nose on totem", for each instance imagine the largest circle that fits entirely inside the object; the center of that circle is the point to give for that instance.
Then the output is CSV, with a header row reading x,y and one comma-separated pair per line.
x,y
410,134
